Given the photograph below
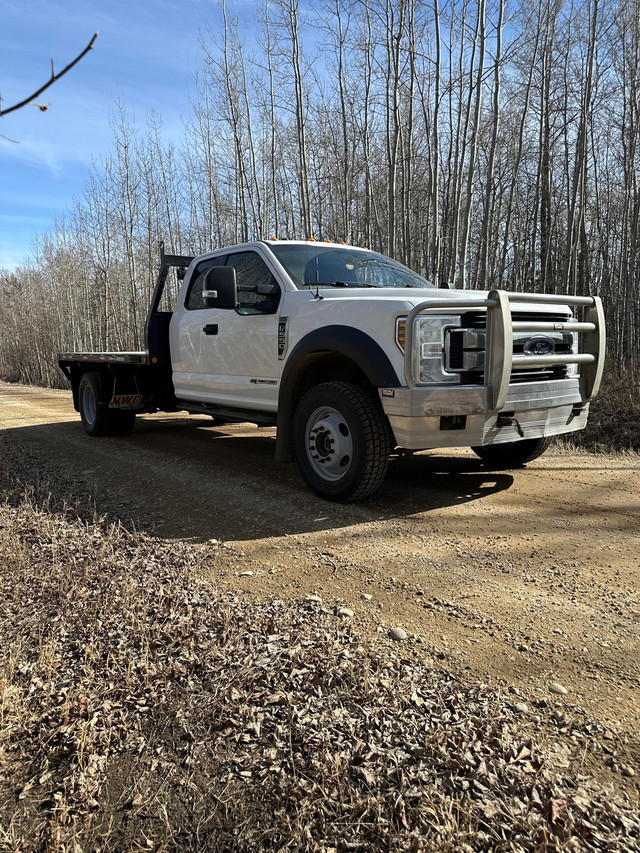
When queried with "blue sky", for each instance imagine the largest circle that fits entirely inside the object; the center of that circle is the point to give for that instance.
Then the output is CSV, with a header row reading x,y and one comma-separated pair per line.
x,y
145,56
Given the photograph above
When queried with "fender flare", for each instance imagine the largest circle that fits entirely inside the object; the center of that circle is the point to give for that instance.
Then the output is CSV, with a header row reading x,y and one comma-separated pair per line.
x,y
354,344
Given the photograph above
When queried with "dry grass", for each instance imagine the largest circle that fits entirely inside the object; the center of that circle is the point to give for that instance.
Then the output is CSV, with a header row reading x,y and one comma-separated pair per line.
x,y
614,416
143,709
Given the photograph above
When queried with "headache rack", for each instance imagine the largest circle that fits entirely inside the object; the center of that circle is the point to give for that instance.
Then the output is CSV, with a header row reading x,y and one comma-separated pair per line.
x,y
156,328
497,329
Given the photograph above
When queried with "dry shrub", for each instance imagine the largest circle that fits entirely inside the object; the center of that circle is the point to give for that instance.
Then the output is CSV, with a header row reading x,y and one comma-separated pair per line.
x,y
614,416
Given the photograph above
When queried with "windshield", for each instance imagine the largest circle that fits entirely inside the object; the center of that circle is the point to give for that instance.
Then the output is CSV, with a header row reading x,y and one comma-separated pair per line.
x,y
320,266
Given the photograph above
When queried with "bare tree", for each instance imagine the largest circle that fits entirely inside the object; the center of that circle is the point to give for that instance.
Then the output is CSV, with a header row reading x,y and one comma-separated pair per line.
x,y
289,22
485,236
479,46
55,76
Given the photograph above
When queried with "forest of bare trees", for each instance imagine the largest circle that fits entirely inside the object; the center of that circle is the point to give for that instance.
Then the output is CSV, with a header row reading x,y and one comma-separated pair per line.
x,y
486,143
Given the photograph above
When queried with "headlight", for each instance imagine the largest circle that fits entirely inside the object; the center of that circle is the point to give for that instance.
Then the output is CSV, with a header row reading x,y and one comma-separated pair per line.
x,y
430,335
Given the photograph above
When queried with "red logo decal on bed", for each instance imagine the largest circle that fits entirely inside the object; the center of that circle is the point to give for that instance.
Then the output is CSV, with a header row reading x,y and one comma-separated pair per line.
x,y
125,401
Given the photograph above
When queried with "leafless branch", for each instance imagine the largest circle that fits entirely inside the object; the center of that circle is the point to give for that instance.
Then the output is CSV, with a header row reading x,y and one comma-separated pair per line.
x,y
50,81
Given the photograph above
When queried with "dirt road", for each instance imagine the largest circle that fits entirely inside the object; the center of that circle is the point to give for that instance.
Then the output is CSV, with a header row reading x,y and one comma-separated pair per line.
x,y
524,578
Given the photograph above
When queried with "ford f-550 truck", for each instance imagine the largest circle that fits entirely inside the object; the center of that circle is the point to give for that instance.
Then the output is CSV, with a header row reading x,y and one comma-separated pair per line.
x,y
350,355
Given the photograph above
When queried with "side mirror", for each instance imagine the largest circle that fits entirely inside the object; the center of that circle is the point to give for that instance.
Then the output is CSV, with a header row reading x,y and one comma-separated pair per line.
x,y
219,288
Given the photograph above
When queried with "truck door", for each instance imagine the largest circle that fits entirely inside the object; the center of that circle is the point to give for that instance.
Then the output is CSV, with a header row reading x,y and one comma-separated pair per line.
x,y
241,358
187,336
236,350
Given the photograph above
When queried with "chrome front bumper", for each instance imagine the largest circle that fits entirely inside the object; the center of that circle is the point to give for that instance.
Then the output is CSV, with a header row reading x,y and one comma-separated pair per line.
x,y
458,416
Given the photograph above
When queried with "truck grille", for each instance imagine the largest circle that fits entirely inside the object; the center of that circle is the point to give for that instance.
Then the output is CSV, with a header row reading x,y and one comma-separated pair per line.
x,y
478,319
458,347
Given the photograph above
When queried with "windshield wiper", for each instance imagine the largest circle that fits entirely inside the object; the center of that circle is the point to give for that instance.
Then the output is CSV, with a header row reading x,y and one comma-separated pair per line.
x,y
340,284
352,284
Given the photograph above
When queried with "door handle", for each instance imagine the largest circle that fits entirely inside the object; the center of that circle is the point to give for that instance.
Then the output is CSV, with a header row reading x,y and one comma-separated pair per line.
x,y
211,329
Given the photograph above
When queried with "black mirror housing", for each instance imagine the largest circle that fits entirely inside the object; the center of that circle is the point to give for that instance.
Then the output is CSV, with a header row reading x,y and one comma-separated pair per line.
x,y
219,288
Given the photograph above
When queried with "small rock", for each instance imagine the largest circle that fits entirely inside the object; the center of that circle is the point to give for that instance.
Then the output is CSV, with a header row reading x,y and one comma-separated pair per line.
x,y
245,575
520,707
558,689
627,771
314,598
366,596
347,612
398,634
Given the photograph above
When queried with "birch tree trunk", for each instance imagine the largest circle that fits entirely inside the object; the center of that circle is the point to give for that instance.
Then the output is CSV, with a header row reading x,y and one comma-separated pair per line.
x,y
487,221
480,44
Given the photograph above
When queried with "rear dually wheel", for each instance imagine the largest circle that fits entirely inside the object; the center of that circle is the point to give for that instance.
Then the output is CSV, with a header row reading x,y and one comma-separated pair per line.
x,y
96,416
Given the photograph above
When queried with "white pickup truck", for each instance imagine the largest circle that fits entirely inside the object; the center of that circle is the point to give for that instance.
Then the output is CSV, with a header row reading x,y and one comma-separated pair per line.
x,y
350,355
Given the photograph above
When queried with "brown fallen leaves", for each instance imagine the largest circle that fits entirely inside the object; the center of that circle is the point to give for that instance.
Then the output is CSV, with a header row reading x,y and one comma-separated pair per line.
x,y
141,708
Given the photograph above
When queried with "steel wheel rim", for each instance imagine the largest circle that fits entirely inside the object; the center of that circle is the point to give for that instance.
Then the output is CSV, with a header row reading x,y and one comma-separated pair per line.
x,y
89,407
328,444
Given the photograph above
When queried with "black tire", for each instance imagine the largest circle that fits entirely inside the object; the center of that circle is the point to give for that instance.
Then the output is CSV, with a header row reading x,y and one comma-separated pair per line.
x,y
97,418
513,454
341,441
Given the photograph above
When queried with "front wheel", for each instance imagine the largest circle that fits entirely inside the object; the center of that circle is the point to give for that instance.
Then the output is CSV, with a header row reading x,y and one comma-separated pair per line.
x,y
512,454
342,441
97,418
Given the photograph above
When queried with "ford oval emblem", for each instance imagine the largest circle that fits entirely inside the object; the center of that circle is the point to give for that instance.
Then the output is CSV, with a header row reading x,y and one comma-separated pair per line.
x,y
539,346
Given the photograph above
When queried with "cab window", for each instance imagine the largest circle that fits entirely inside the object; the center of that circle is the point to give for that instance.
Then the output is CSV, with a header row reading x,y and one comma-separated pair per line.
x,y
258,290
193,301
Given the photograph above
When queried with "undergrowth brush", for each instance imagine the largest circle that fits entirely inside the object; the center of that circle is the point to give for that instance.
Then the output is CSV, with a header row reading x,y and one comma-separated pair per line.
x,y
614,416
141,708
